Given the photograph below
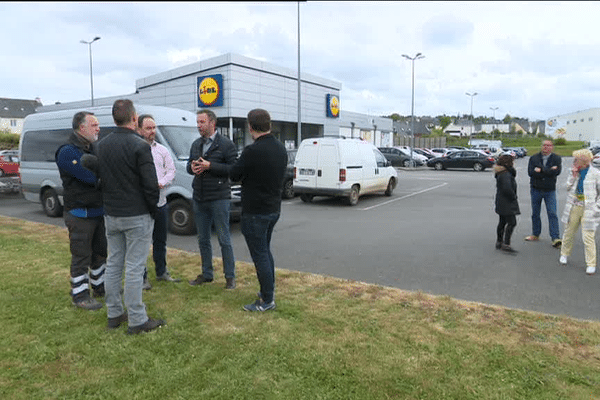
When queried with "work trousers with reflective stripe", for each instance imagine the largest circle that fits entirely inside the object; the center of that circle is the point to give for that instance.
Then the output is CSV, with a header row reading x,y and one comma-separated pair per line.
x,y
87,240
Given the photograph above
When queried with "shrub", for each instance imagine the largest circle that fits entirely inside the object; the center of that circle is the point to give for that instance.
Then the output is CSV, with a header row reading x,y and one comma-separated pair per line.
x,y
560,142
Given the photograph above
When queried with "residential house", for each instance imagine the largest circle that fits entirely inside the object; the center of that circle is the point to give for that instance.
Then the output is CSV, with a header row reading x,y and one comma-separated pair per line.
x,y
14,111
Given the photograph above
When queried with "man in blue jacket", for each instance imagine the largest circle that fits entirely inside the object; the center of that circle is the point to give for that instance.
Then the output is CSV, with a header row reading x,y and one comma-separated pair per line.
x,y
83,213
543,169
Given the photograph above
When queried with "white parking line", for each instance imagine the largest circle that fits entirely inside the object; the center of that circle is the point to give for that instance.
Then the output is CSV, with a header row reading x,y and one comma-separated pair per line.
x,y
404,197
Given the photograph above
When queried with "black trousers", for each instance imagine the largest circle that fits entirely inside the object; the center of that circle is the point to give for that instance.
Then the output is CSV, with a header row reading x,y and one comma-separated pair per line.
x,y
87,240
505,228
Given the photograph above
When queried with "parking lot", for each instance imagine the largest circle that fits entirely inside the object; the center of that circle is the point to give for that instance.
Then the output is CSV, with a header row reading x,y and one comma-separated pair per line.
x,y
435,234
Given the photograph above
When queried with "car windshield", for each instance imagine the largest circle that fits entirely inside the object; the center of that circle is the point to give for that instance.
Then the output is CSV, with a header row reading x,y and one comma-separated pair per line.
x,y
179,139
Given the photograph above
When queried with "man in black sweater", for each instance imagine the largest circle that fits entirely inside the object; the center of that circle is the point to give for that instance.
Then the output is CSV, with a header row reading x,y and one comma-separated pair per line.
x,y
261,169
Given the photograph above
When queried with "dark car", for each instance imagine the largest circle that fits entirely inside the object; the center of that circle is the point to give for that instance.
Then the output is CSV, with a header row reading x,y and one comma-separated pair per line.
x,y
462,159
397,157
288,179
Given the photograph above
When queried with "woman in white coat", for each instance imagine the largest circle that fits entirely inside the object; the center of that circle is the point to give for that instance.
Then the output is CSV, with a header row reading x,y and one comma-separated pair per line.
x,y
582,208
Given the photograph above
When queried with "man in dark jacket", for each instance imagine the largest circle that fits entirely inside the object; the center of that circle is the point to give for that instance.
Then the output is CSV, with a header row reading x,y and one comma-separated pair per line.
x,y
130,193
261,169
83,213
543,169
211,157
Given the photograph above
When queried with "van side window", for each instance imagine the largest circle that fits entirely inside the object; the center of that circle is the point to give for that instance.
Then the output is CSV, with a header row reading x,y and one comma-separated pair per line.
x,y
42,145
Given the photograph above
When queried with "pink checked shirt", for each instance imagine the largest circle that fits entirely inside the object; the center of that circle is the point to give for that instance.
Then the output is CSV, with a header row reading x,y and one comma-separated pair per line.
x,y
165,169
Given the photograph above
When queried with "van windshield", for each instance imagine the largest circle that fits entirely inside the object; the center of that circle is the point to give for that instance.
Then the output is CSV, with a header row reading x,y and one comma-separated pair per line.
x,y
179,139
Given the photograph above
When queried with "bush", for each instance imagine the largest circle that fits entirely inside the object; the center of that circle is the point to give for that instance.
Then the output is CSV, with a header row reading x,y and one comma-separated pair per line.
x,y
8,140
560,142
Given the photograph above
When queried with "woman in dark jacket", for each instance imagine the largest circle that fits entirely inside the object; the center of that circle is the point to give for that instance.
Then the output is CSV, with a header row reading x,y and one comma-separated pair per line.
x,y
507,205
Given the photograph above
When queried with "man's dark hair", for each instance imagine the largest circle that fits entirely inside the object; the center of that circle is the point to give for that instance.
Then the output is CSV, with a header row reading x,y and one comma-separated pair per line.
x,y
141,119
123,111
259,120
79,119
211,115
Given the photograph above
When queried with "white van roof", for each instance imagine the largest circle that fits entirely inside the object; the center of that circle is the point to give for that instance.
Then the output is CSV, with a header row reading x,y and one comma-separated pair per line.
x,y
57,119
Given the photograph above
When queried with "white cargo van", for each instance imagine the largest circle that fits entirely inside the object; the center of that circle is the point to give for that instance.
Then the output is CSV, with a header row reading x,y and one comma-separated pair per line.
x,y
333,166
43,133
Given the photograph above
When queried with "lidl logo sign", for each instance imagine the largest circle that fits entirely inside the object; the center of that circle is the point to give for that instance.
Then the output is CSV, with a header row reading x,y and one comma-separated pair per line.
x,y
210,91
333,106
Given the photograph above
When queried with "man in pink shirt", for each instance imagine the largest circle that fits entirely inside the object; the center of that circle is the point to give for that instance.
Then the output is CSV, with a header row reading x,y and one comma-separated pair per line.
x,y
165,172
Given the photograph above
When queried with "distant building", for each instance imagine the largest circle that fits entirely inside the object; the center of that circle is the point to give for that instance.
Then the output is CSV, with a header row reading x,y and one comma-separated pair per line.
x,y
14,111
580,125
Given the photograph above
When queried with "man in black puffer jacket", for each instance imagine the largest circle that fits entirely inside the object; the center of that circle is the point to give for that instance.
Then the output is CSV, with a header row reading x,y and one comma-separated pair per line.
x,y
211,158
130,193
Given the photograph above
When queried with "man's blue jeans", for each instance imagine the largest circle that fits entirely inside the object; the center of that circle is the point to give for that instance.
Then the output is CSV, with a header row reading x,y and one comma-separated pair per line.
x,y
207,212
129,241
257,230
549,197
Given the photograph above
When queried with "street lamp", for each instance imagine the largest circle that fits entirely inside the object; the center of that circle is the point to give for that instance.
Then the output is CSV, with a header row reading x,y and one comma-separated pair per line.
x,y
91,74
494,110
472,95
417,56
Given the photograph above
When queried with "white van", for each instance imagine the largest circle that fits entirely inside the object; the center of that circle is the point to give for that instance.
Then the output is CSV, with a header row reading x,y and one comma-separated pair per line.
x,y
332,166
44,132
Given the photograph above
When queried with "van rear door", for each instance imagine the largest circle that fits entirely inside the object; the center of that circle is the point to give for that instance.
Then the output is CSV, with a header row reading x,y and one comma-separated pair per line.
x,y
328,166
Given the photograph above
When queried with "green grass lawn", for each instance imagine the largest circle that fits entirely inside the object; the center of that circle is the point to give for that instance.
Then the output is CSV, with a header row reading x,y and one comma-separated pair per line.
x,y
328,339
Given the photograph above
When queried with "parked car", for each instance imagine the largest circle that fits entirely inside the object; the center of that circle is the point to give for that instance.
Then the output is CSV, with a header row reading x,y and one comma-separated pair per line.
x,y
288,179
426,153
397,157
439,151
462,159
9,165
517,150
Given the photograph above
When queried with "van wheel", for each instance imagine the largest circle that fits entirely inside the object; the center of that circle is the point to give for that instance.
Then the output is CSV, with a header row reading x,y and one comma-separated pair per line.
x,y
477,167
288,189
50,203
305,197
390,188
353,196
181,217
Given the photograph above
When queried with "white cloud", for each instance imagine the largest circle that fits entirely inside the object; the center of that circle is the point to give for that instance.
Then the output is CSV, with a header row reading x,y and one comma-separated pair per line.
x,y
530,59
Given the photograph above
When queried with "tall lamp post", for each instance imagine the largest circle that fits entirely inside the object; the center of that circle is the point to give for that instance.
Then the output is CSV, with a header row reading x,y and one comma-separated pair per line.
x,y
91,74
472,95
417,56
494,110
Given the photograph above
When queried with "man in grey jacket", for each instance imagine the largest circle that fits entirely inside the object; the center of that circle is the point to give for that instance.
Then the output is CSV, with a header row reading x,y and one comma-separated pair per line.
x,y
130,195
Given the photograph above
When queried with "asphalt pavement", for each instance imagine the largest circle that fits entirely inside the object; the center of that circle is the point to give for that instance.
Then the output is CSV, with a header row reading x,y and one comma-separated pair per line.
x,y
435,234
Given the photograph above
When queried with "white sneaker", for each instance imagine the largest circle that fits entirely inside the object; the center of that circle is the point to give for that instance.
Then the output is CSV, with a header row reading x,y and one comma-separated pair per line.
x,y
590,270
563,260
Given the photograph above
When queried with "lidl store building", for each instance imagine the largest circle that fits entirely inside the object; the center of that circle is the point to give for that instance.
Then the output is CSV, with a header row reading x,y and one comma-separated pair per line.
x,y
231,85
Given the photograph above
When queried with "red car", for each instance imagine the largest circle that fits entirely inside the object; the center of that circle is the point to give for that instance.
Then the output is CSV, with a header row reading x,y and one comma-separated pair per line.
x,y
9,165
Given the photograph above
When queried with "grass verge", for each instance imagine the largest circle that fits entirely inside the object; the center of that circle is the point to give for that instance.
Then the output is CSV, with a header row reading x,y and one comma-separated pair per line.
x,y
328,339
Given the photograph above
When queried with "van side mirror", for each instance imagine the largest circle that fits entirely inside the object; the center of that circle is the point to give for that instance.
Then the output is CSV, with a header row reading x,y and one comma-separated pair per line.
x,y
388,163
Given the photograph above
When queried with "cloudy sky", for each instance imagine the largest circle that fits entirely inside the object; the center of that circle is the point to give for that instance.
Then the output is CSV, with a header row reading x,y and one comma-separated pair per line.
x,y
529,59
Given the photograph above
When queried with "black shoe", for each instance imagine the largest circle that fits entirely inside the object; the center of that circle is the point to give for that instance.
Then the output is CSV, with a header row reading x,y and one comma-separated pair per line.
x,y
200,279
147,326
87,303
230,283
114,323
498,245
508,249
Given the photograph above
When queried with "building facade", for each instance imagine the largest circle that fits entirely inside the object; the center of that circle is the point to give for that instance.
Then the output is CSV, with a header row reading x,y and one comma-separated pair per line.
x,y
580,125
231,85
